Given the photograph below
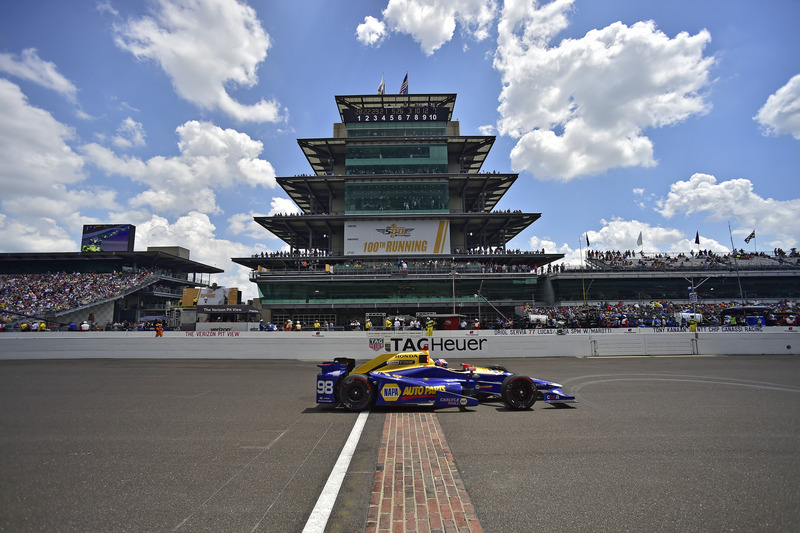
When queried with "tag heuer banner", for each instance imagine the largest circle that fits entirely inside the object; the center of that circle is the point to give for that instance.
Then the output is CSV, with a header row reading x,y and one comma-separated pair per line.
x,y
388,237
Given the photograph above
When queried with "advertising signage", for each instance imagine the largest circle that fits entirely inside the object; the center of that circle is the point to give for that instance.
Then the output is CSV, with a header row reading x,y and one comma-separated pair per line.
x,y
389,237
396,114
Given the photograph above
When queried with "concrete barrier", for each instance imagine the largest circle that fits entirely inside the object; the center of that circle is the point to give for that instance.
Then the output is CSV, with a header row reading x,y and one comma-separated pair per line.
x,y
461,345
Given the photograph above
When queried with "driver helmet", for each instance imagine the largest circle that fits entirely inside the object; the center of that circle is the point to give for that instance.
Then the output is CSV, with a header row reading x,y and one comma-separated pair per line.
x,y
441,362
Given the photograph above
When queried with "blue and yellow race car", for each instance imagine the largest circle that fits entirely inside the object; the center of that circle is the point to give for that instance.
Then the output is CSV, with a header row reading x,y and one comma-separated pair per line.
x,y
412,378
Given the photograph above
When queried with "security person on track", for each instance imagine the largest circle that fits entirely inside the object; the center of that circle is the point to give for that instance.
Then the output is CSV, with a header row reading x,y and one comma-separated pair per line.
x,y
429,325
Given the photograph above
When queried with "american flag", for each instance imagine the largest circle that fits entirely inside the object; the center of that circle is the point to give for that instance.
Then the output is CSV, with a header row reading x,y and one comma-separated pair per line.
x,y
404,86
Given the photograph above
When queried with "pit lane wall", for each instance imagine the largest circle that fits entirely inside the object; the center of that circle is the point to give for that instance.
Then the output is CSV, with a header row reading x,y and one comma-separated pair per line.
x,y
461,345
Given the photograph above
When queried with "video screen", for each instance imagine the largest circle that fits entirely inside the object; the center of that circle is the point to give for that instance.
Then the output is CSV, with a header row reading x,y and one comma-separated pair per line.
x,y
108,237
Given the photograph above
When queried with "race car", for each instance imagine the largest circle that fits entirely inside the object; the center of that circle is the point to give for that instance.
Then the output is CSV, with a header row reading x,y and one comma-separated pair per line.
x,y
413,378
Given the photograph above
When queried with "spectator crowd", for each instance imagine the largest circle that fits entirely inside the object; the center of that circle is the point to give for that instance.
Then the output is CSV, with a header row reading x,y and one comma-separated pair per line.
x,y
651,314
41,294
54,293
702,259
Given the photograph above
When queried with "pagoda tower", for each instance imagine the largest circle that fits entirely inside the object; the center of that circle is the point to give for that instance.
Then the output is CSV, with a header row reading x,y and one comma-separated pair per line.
x,y
397,219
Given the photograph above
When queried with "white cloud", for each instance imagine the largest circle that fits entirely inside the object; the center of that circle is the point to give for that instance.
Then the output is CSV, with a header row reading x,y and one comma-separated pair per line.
x,y
39,171
431,23
543,243
581,108
211,159
205,46
571,256
781,113
734,199
371,32
129,134
29,66
244,224
282,206
33,235
538,23
106,7
33,146
622,235
196,232
42,178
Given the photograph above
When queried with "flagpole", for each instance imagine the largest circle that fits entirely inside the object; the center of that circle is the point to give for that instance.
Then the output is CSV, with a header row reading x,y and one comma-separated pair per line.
x,y
736,264
583,281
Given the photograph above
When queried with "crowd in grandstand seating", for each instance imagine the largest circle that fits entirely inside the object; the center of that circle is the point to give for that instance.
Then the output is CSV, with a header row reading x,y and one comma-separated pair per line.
x,y
702,259
401,266
620,315
297,253
40,294
613,260
431,266
315,252
648,314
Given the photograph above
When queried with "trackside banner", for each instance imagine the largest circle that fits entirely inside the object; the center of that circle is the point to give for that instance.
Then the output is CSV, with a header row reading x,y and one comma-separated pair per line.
x,y
393,237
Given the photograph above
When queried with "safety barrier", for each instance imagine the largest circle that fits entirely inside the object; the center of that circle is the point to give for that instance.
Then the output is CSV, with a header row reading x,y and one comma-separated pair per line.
x,y
461,344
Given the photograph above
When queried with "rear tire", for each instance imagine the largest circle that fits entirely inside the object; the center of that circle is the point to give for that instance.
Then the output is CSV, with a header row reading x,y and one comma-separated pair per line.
x,y
518,392
356,392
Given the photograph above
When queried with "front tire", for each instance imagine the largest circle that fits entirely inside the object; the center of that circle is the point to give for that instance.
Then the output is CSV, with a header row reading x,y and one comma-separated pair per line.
x,y
518,392
356,392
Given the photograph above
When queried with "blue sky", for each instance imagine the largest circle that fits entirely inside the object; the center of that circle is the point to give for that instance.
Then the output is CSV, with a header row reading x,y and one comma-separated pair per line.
x,y
622,117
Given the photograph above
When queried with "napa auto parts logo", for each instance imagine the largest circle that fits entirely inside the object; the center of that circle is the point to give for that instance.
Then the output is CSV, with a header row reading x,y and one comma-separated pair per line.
x,y
395,231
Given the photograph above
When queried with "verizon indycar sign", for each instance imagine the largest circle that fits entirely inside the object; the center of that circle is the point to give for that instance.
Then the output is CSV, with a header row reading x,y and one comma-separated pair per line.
x,y
392,237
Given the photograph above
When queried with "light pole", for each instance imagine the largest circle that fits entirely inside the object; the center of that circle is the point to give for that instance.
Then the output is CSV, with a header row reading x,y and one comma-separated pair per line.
x,y
479,295
453,273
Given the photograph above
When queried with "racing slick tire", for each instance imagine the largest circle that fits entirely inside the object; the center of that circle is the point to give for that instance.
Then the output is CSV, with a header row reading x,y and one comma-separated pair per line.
x,y
356,392
518,392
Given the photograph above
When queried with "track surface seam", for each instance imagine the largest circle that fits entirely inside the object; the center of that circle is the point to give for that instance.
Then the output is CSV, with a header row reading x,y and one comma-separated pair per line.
x,y
417,487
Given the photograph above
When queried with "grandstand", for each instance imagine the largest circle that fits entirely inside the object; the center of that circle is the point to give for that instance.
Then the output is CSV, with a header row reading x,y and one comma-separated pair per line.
x,y
703,260
614,276
102,288
399,219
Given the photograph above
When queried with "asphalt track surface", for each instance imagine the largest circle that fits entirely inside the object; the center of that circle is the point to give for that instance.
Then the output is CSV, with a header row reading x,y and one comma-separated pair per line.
x,y
655,444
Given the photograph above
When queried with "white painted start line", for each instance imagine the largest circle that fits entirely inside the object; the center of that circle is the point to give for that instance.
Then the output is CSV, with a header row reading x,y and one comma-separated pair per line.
x,y
322,510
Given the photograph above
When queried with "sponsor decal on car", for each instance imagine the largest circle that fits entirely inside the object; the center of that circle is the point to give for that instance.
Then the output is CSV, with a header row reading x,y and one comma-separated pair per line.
x,y
420,391
453,401
390,392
